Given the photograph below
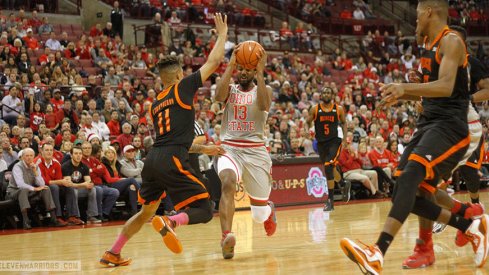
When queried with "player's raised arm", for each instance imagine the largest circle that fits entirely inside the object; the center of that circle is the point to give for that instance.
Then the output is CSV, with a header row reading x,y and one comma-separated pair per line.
x,y
222,89
264,92
217,53
453,51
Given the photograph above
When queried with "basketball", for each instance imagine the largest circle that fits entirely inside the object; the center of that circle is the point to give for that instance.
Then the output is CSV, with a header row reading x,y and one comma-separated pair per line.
x,y
248,54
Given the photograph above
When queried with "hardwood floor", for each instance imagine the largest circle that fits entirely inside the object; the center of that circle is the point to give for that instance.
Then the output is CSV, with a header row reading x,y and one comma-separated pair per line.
x,y
306,242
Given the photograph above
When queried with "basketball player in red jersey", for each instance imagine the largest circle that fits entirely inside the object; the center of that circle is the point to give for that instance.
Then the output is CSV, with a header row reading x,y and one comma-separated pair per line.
x,y
167,167
330,127
438,145
243,137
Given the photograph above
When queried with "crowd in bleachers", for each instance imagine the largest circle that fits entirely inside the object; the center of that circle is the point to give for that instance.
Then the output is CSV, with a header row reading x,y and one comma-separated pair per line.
x,y
85,100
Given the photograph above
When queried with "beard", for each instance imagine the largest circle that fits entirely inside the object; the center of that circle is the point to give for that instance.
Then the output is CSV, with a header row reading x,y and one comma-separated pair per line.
x,y
326,100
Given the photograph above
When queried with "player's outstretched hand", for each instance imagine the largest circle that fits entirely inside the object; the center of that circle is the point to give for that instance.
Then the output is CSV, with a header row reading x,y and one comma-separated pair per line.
x,y
390,94
213,150
221,22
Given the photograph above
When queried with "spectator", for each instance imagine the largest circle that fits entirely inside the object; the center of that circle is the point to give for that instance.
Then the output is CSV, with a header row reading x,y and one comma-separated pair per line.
x,y
51,172
116,18
53,44
351,167
108,31
130,166
114,125
381,157
45,26
78,173
98,174
102,128
13,105
26,184
358,14
126,137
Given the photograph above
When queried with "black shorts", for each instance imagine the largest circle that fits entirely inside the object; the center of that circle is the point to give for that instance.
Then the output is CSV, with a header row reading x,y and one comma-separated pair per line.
x,y
329,151
475,160
167,169
438,146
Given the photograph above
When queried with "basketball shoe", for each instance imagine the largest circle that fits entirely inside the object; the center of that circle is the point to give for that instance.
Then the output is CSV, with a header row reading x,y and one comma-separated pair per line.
x,y
438,227
474,211
479,237
271,223
329,205
369,259
165,226
423,255
227,244
110,259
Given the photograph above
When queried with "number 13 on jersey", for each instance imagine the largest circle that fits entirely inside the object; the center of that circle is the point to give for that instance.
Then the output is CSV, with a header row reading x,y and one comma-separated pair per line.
x,y
240,112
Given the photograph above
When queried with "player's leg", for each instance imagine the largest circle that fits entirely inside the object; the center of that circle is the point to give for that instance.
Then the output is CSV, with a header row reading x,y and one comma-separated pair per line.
x,y
329,154
423,254
229,174
450,149
257,183
189,195
112,257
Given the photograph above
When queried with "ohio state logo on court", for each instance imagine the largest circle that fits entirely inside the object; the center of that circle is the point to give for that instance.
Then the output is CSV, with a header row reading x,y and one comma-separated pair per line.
x,y
316,183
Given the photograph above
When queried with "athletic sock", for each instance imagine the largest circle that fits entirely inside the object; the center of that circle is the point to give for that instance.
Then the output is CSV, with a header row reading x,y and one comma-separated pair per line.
x,y
119,244
384,241
331,195
459,208
179,219
459,222
425,234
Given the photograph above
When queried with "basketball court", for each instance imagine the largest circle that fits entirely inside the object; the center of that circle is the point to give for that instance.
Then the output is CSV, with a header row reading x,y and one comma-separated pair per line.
x,y
306,242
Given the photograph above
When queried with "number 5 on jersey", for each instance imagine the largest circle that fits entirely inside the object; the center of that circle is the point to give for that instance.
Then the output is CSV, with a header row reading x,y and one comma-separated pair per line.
x,y
326,129
240,112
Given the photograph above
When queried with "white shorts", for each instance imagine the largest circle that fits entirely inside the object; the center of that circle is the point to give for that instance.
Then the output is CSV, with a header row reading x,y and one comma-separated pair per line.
x,y
475,132
252,166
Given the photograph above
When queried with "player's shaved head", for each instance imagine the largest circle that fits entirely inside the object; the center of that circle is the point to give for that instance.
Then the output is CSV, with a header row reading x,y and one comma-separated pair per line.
x,y
439,7
169,68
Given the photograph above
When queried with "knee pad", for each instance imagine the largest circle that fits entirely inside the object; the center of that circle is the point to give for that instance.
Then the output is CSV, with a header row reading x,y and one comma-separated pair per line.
x,y
260,213
471,177
328,170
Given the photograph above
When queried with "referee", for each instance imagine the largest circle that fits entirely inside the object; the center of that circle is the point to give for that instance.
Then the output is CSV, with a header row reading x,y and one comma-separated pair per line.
x,y
210,180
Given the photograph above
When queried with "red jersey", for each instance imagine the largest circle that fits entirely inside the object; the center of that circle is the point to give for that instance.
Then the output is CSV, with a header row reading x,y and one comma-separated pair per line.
x,y
381,159
50,171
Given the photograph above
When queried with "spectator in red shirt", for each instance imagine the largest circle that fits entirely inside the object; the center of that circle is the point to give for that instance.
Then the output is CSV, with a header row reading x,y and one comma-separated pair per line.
x,y
53,177
96,30
114,125
346,14
57,101
30,41
125,138
382,157
99,175
351,166
35,21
